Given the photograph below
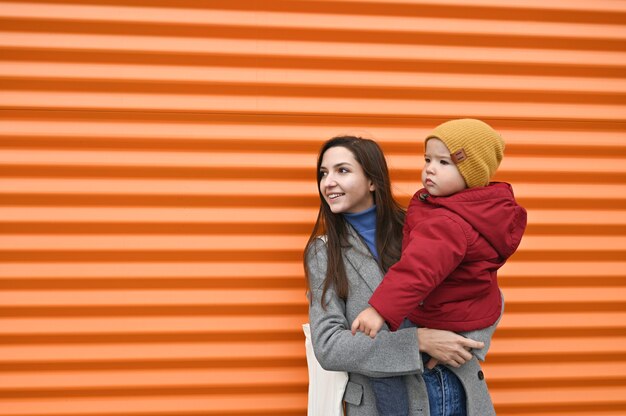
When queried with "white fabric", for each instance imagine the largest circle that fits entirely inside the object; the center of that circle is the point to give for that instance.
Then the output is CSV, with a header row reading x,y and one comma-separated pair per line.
x,y
326,388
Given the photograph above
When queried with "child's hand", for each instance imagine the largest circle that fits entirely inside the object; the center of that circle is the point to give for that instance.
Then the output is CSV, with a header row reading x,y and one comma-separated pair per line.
x,y
369,322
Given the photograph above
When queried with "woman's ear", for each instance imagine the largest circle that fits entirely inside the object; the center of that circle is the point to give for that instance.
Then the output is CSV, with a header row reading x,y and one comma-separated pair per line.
x,y
372,186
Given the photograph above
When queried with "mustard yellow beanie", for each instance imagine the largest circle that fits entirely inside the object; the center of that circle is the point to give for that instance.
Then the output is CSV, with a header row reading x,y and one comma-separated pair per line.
x,y
475,147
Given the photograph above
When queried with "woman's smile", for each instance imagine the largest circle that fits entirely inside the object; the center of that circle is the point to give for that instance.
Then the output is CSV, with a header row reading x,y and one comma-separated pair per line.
x,y
334,196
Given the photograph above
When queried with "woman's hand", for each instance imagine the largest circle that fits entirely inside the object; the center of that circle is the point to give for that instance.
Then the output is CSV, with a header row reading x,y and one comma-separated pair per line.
x,y
446,347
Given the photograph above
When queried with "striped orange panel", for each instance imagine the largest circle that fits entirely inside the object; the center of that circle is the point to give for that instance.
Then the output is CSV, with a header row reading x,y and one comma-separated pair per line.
x,y
157,162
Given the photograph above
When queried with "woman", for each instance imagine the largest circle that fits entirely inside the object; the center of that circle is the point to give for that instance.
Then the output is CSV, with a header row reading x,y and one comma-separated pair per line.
x,y
356,238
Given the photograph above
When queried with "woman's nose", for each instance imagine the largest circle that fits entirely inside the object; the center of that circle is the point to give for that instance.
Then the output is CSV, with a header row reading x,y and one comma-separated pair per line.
x,y
330,180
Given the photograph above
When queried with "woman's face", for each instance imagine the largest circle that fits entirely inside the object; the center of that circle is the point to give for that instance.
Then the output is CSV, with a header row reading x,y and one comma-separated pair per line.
x,y
343,183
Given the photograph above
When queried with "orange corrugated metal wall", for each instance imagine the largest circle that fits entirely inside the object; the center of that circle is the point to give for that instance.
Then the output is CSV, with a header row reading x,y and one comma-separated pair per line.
x,y
157,190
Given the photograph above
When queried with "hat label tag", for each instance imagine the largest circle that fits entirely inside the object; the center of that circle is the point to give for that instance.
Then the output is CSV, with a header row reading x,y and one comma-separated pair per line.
x,y
458,156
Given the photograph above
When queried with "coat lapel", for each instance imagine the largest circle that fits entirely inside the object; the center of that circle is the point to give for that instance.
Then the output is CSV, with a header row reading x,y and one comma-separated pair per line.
x,y
359,256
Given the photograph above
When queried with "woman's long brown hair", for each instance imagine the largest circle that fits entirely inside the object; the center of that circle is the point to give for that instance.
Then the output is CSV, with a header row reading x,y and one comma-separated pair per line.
x,y
389,216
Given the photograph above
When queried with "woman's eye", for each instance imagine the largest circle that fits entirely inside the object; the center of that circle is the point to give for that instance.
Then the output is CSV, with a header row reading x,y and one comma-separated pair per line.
x,y
343,170
322,174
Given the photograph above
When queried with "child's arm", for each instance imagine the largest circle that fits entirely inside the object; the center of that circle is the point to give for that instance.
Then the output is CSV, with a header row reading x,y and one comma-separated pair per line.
x,y
435,248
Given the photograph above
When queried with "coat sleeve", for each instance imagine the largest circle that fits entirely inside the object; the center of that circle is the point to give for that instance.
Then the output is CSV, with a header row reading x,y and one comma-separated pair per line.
x,y
484,335
435,248
336,349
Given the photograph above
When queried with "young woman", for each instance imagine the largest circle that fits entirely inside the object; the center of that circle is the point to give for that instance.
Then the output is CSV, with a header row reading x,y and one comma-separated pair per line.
x,y
356,238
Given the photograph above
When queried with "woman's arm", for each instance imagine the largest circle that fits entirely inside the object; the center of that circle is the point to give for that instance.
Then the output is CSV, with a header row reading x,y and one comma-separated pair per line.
x,y
446,347
389,354
484,335
336,349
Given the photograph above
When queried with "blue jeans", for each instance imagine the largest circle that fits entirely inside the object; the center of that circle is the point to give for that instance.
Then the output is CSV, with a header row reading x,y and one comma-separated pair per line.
x,y
446,395
392,398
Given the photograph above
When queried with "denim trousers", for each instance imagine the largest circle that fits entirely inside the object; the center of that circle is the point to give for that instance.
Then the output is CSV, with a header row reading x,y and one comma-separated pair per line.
x,y
392,398
446,395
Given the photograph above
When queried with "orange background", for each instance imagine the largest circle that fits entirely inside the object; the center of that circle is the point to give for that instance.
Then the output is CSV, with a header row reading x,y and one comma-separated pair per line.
x,y
158,187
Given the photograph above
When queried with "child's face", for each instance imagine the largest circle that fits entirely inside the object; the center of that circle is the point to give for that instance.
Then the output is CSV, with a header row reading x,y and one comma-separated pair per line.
x,y
440,175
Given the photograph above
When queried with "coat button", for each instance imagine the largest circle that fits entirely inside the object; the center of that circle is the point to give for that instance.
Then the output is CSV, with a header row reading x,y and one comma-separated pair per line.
x,y
481,375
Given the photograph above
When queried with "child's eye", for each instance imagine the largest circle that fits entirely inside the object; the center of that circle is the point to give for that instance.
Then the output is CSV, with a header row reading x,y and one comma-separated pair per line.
x,y
427,159
445,162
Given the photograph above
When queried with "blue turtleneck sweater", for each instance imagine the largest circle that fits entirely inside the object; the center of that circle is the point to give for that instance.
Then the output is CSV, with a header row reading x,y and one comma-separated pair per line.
x,y
364,223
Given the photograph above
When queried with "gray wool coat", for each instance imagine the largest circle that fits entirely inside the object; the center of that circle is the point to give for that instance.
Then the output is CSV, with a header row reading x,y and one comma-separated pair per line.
x,y
390,353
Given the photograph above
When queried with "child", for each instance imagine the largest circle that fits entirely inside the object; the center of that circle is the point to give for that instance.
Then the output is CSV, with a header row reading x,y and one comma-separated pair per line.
x,y
459,230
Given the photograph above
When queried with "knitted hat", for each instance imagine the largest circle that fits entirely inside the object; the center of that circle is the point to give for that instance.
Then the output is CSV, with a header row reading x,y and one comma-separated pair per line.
x,y
475,147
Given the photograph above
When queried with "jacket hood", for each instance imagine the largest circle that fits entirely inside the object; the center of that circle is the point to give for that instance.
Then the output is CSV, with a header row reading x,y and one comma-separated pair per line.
x,y
491,210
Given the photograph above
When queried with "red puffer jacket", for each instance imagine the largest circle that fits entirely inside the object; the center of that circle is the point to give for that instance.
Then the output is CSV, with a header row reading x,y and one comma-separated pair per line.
x,y
451,251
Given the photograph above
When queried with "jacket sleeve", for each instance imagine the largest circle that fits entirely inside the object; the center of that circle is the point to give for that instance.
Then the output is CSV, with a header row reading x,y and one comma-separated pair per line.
x,y
336,349
435,248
